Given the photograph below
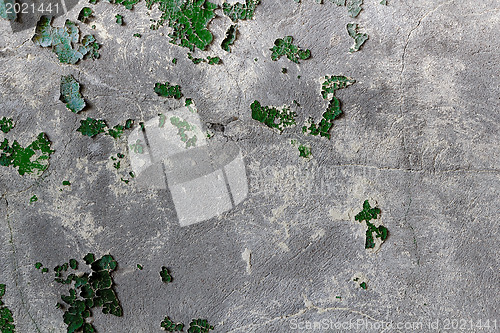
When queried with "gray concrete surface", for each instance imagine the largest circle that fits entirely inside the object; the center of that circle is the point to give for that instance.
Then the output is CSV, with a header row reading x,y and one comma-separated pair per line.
x,y
419,135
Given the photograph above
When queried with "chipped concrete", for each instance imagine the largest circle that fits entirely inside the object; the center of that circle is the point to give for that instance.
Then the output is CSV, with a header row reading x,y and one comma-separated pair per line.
x,y
419,136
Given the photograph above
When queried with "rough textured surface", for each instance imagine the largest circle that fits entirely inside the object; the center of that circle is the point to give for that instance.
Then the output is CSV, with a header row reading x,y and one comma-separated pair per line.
x,y
419,137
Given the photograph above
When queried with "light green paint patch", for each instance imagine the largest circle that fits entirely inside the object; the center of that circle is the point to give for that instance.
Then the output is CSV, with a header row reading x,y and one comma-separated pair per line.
x,y
70,94
182,127
65,41
239,11
359,38
137,147
284,47
383,2
6,124
188,20
85,14
273,117
119,19
7,10
33,159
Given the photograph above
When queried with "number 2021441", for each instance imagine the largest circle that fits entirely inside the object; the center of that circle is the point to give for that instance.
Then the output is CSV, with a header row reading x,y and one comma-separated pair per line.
x,y
25,8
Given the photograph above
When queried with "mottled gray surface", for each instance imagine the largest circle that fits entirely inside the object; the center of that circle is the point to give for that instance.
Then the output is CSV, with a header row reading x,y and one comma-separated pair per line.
x,y
419,136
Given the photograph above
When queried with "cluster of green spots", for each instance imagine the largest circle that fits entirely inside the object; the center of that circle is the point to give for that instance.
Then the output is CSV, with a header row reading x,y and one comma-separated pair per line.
x,y
6,318
65,41
304,151
87,291
85,14
137,35
182,127
119,19
33,159
70,94
199,326
116,164
366,215
333,110
353,6
363,284
209,60
168,90
137,147
188,19
39,265
284,47
165,275
230,37
239,11
117,131
34,198
128,4
273,117
91,127
169,326
359,38
6,124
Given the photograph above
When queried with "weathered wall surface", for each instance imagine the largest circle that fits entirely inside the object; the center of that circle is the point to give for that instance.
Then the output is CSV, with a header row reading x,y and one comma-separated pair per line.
x,y
419,136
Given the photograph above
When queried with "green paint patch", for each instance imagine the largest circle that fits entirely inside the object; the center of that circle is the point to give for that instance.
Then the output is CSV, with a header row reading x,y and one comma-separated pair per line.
x,y
165,275
119,19
359,38
383,2
65,41
91,127
182,127
284,70
137,35
169,326
33,159
363,285
367,214
85,14
273,117
239,11
38,265
137,147
168,90
6,124
214,60
304,151
66,183
140,267
333,110
6,318
174,61
284,47
70,94
354,7
231,34
34,198
87,291
199,326
188,20
128,4
209,60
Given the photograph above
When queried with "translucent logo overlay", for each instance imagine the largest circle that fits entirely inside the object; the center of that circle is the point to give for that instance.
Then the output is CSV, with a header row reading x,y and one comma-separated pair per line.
x,y
172,152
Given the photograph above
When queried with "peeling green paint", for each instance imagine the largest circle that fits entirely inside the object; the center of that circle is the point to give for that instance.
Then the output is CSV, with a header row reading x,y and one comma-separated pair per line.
x,y
128,4
284,47
91,127
6,318
304,151
188,20
65,41
238,11
34,198
168,90
169,326
231,34
85,14
367,214
70,94
359,38
182,127
199,326
273,117
137,147
354,7
165,275
66,183
6,124
119,19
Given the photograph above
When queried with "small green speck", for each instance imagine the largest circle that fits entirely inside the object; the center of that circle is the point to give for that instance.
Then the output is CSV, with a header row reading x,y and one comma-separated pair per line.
x,y
139,267
138,35
34,198
284,70
45,270
38,265
174,61
85,14
363,285
119,19
165,275
66,183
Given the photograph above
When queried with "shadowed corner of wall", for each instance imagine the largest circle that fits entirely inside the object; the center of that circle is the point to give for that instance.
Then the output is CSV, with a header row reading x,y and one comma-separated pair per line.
x,y
171,153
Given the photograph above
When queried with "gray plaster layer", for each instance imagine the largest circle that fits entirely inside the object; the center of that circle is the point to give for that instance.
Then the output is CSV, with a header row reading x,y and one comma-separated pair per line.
x,y
419,136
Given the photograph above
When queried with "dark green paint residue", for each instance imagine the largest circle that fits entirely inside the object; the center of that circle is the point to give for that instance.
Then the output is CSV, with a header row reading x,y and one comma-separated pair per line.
x,y
38,265
182,127
169,326
284,47
137,35
230,38
189,101
116,132
239,11
363,285
353,6
91,127
85,14
359,38
6,124
304,151
213,60
165,275
87,291
199,326
93,1
188,19
273,117
33,159
119,19
139,267
209,60
128,4
6,318
70,94
66,183
34,198
368,213
284,70
168,90
333,110
65,41
174,61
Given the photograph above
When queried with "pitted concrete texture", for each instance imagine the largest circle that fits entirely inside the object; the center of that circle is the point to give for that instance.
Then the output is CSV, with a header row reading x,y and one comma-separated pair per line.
x,y
419,137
